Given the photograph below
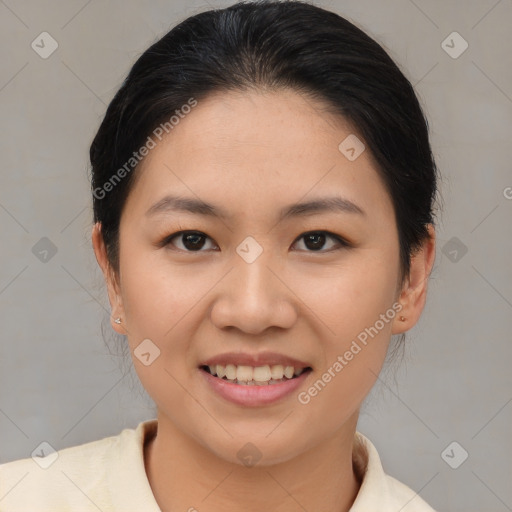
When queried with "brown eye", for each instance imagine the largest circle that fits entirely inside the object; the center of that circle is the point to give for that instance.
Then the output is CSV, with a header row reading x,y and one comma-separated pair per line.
x,y
195,241
315,240
191,241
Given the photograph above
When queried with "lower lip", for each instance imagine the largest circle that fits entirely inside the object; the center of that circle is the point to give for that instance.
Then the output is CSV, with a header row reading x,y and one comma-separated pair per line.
x,y
254,396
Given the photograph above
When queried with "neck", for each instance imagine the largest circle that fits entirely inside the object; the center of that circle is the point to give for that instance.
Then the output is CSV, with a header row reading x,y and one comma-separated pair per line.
x,y
184,475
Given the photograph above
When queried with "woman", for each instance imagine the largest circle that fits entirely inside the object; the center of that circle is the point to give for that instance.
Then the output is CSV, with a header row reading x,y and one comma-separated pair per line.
x,y
263,189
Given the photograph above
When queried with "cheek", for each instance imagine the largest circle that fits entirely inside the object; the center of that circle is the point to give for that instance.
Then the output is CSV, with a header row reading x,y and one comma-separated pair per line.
x,y
158,301
354,303
357,319
350,296
338,391
165,303
157,296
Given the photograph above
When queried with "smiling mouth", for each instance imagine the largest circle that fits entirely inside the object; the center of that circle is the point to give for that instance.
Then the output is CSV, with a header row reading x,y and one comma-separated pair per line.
x,y
254,376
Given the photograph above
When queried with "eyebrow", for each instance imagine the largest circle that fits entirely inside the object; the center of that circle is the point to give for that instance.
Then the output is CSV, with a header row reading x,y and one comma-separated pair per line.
x,y
334,204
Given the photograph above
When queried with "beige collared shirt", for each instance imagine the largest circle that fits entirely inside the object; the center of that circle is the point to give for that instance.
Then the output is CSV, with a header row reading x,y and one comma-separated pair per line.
x,y
109,475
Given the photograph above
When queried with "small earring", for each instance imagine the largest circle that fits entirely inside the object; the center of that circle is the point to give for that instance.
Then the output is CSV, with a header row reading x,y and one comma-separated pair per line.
x,y
117,320
402,318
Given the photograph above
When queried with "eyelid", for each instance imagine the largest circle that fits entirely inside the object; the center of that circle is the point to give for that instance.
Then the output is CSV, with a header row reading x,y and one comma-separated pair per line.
x,y
167,239
342,242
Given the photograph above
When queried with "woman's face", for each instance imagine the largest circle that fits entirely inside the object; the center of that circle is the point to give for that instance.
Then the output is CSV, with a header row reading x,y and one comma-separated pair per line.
x,y
252,281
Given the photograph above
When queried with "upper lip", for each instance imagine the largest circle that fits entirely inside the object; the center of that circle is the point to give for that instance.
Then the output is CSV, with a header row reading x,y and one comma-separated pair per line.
x,y
260,359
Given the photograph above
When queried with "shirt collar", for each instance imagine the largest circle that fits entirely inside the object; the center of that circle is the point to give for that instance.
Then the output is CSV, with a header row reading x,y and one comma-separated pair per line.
x,y
374,487
128,482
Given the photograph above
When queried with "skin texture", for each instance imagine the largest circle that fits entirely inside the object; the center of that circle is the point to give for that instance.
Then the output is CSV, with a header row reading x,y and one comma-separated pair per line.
x,y
252,154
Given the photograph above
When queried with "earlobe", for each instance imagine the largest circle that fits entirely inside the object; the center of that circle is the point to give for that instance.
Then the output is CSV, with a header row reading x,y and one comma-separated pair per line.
x,y
110,279
414,294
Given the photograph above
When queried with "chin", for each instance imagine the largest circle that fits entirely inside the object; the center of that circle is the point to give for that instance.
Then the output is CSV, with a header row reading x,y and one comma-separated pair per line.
x,y
255,451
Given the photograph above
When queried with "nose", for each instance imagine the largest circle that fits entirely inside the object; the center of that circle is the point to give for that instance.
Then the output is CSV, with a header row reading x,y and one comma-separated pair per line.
x,y
254,297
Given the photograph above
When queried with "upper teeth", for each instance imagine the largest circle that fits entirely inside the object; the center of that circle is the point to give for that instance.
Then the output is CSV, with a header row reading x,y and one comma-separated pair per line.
x,y
258,373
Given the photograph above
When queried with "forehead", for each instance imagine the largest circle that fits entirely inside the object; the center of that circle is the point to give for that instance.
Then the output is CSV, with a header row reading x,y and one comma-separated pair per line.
x,y
252,150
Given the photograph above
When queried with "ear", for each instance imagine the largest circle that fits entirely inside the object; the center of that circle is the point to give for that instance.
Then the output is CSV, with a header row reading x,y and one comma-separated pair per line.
x,y
111,281
414,292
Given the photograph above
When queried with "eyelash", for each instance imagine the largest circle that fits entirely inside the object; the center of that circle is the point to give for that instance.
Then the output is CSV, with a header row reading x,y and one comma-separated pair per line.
x,y
343,244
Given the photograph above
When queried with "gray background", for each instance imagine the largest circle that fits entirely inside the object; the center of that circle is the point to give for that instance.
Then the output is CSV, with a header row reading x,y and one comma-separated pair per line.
x,y
58,381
